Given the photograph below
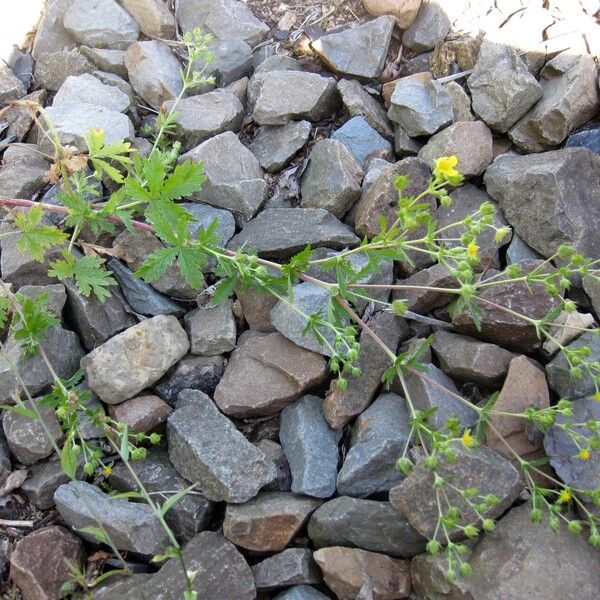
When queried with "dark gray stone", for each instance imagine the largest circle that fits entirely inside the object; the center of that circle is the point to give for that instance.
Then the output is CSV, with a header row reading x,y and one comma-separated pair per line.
x,y
11,87
291,567
88,89
211,329
587,138
273,450
362,139
51,69
51,36
21,176
232,60
110,61
518,250
274,146
43,480
431,25
56,296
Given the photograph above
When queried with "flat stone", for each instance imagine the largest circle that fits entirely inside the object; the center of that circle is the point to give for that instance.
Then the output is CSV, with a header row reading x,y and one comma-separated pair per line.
x,y
143,414
269,522
39,563
132,526
291,95
51,69
565,328
44,478
480,467
561,192
301,592
341,407
100,24
211,329
202,117
134,359
232,60
347,571
153,17
274,146
290,567
87,89
404,11
362,140
587,138
189,515
225,19
469,360
365,524
51,35
196,433
469,141
204,215
501,86
358,102
282,232
570,99
110,61
191,372
21,176
265,374
310,446
359,51
234,176
11,87
430,26
154,72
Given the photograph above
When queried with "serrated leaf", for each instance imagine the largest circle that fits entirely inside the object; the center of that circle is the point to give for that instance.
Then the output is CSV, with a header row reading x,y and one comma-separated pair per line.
x,y
156,264
186,179
191,261
35,239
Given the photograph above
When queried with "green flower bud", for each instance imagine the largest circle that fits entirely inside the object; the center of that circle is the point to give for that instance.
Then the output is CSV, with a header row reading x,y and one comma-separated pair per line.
x,y
404,465
536,515
488,525
433,547
471,531
575,527
465,569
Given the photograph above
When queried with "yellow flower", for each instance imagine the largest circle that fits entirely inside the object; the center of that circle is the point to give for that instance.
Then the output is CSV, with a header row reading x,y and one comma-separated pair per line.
x,y
472,249
565,496
468,440
584,454
597,396
445,166
107,471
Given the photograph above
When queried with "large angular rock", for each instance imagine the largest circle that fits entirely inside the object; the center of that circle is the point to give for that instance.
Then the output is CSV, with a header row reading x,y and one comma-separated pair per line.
x,y
265,374
404,11
430,26
234,176
134,359
301,592
21,176
570,99
154,72
39,563
88,89
100,24
109,61
51,35
358,52
201,117
341,406
274,146
561,192
153,17
469,141
131,526
310,446
332,178
232,60
480,467
587,138
211,329
269,522
197,433
501,86
362,140
347,571
51,69
56,296
143,414
225,19
290,567
44,478
11,87
282,232
366,524
283,96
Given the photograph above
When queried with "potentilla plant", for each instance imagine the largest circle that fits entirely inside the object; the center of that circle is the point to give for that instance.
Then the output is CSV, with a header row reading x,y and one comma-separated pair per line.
x,y
148,189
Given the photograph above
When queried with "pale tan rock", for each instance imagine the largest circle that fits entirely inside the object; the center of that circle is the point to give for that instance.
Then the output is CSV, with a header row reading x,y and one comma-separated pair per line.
x,y
404,11
153,17
566,328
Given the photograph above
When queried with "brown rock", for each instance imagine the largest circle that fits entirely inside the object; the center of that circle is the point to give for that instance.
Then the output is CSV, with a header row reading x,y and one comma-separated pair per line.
x,y
256,307
38,564
143,414
153,17
347,571
422,300
404,11
268,522
342,406
265,374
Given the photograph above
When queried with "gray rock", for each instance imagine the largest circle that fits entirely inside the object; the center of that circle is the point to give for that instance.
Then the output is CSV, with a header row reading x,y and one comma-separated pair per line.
x,y
51,69
434,389
467,359
501,86
301,592
273,450
21,176
204,116
269,522
189,515
291,95
142,297
154,72
192,372
310,446
587,138
153,17
88,427
358,102
100,24
430,26
278,62
469,141
115,372
274,146
234,177
197,433
86,89
560,188
332,178
43,480
51,35
461,102
282,232
11,87
291,567
73,121
110,61
358,52
479,467
64,353
342,406
420,108
131,526
365,524
232,60
591,286
570,99
26,436
5,466
518,250
362,140
211,329
56,296
205,215
225,19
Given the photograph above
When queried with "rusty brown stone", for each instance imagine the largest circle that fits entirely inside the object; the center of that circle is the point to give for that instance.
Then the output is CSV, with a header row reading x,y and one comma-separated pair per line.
x,y
143,414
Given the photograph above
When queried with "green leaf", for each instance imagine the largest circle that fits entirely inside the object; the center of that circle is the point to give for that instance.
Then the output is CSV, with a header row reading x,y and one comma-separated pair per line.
x,y
35,239
19,409
191,261
186,179
170,221
170,552
124,451
95,532
32,321
172,500
156,264
225,288
4,310
68,459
